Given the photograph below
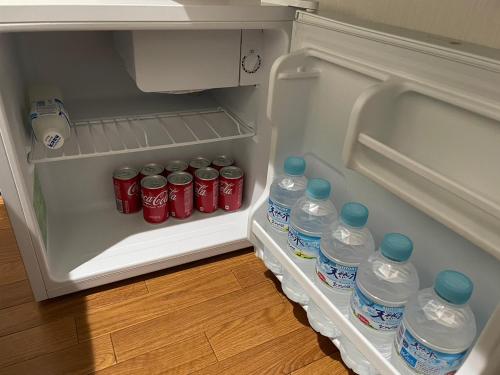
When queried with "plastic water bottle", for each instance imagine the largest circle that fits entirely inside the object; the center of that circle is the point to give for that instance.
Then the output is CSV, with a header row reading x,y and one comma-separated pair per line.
x,y
284,193
384,283
343,246
49,120
438,328
311,215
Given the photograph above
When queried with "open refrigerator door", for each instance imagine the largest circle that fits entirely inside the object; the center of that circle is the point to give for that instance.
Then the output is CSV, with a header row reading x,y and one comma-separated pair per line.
x,y
407,128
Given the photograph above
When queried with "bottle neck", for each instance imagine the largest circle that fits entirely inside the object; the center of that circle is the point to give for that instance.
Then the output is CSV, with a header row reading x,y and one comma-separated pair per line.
x,y
350,226
316,199
392,261
444,301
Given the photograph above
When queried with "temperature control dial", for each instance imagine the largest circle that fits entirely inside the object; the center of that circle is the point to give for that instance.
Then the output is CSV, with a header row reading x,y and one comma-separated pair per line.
x,y
251,62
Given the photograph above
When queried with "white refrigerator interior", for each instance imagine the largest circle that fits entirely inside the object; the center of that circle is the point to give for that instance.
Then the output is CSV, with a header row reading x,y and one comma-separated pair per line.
x,y
408,125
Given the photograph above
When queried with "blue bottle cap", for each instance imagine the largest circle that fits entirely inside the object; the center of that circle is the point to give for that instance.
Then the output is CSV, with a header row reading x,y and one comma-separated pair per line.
x,y
318,188
354,214
295,166
396,247
453,287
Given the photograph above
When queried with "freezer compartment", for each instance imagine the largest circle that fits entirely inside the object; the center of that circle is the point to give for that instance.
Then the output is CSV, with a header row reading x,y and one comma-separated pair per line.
x,y
175,60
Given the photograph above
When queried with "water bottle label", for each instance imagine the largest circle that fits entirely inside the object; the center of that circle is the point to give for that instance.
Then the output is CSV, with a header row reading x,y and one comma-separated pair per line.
x,y
48,107
422,359
335,275
278,215
374,315
303,245
52,139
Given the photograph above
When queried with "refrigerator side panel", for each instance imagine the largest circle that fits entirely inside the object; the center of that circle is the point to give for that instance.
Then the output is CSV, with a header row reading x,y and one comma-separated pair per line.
x,y
18,180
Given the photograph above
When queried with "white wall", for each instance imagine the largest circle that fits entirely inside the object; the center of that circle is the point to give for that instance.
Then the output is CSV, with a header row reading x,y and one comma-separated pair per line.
x,y
475,21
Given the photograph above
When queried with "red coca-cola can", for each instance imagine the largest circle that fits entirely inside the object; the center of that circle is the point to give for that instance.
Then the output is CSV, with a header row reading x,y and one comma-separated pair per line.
x,y
176,166
222,161
126,184
230,188
180,194
197,163
154,199
206,189
151,169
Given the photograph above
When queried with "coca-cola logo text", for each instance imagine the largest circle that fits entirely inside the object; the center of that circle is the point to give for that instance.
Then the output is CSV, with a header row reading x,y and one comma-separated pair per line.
x,y
133,189
172,194
201,190
226,188
158,200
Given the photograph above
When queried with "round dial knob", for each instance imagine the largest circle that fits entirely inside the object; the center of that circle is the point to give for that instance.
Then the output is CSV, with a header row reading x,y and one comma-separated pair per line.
x,y
251,62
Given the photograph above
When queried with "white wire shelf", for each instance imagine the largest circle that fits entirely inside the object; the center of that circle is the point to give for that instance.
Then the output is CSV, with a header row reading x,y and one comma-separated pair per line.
x,y
108,136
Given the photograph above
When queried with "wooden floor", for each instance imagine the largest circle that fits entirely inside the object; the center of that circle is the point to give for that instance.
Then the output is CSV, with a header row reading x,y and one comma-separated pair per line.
x,y
222,316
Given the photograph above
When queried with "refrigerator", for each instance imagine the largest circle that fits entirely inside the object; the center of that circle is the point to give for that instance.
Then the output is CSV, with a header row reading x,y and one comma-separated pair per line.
x,y
407,123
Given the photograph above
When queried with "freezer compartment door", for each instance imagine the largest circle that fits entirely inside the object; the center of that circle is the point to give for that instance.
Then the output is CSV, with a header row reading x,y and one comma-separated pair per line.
x,y
180,60
405,126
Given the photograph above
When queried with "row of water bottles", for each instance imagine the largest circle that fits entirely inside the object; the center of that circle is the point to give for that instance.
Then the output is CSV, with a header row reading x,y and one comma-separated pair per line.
x,y
425,332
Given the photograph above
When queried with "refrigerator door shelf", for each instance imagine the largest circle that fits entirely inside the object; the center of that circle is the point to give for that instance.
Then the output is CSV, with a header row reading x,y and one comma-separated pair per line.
x,y
414,139
431,147
118,135
276,244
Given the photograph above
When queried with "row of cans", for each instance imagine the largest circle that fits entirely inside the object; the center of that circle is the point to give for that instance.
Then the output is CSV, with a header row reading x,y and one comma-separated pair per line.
x,y
164,192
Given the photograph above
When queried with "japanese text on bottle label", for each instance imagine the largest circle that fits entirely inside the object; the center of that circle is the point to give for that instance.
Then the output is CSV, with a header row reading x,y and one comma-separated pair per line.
x,y
278,215
334,274
423,359
303,245
374,315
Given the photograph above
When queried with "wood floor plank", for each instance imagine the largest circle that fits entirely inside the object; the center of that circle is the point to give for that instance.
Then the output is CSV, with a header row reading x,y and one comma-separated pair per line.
x,y
172,281
4,222
15,294
245,333
37,341
99,298
279,356
180,324
12,272
328,365
26,316
9,251
181,357
251,273
117,317
4,218
32,314
80,359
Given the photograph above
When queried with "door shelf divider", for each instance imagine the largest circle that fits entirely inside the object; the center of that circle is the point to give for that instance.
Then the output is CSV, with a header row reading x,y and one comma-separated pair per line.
x,y
118,135
276,245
